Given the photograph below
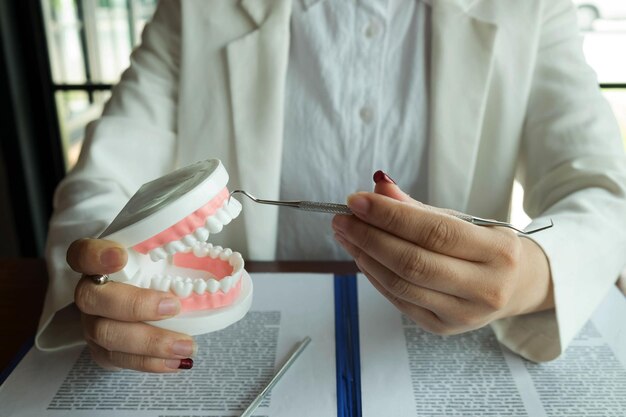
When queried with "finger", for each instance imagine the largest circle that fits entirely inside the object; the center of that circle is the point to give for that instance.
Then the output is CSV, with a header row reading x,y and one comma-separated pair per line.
x,y
423,317
119,360
137,338
415,264
385,185
435,301
431,228
124,302
96,256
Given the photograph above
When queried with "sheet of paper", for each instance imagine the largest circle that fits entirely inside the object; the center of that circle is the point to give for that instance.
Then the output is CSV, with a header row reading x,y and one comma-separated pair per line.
x,y
232,366
406,371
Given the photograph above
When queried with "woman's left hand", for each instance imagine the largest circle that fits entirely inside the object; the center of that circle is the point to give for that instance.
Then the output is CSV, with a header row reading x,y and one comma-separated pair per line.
x,y
447,275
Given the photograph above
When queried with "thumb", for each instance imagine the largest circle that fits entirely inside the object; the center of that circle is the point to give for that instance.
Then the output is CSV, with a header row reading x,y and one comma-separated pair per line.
x,y
96,256
386,186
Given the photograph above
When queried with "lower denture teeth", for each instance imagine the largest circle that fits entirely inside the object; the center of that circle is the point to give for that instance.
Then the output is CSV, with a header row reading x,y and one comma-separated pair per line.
x,y
226,284
199,286
213,286
165,284
145,281
215,251
182,289
214,225
155,283
200,251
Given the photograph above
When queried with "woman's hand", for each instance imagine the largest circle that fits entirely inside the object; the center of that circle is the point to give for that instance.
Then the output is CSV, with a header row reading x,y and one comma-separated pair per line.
x,y
112,315
446,274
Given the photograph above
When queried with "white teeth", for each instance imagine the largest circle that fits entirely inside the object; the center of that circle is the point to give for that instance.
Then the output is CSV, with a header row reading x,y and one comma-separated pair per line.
x,y
144,281
182,289
215,251
174,247
186,286
158,254
165,284
200,251
156,282
190,240
213,286
202,234
223,216
225,254
226,284
214,225
233,208
199,286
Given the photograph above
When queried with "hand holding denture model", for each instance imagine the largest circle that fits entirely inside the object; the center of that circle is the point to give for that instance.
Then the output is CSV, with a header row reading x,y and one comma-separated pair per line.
x,y
165,227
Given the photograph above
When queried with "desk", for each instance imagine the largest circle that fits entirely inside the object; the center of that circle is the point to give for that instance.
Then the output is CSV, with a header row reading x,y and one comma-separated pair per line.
x,y
23,284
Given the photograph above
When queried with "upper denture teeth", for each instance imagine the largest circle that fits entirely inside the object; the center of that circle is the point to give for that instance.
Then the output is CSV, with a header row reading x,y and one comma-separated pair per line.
x,y
202,234
214,225
223,216
199,286
157,254
233,208
175,246
190,240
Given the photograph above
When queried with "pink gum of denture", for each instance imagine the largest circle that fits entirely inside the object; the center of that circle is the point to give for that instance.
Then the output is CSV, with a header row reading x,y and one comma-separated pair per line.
x,y
218,269
184,227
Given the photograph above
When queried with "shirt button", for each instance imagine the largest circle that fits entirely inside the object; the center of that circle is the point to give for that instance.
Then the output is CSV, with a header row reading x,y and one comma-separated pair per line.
x,y
367,114
372,30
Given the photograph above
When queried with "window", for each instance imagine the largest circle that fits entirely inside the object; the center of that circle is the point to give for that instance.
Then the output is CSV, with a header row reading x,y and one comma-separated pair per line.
x,y
603,25
89,44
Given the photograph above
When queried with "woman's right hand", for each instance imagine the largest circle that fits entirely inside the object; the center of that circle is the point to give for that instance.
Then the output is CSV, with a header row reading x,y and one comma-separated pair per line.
x,y
113,314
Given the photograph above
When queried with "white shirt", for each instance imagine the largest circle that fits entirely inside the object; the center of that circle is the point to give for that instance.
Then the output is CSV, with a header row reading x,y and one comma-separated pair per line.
x,y
356,102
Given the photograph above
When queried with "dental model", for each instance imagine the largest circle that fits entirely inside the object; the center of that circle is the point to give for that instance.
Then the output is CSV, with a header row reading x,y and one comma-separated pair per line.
x,y
165,227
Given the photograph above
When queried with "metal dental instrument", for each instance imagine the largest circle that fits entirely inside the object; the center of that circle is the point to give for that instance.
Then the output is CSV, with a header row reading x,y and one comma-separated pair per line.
x,y
334,208
488,222
292,358
331,208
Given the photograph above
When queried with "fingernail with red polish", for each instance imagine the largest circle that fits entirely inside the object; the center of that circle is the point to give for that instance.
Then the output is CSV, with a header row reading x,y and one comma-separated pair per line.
x,y
186,363
179,363
381,176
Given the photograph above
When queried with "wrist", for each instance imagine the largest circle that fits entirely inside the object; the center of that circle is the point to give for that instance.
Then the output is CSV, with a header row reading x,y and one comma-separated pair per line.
x,y
534,291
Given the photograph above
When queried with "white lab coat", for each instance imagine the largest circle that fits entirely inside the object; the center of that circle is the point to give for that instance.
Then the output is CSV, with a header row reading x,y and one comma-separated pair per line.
x,y
511,96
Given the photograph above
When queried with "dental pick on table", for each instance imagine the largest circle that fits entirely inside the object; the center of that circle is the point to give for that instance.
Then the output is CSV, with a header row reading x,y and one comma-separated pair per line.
x,y
334,208
292,358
